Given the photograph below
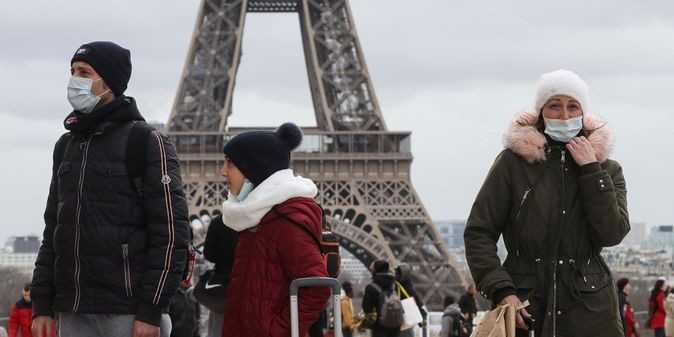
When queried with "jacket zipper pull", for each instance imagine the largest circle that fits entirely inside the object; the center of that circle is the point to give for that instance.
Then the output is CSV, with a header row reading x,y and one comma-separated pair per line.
x,y
563,156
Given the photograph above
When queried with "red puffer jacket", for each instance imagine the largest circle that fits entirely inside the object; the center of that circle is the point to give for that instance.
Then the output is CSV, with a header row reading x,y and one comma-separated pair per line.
x,y
20,319
268,258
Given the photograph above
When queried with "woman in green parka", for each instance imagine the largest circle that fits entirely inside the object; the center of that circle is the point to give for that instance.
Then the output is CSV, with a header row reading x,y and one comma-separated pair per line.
x,y
557,200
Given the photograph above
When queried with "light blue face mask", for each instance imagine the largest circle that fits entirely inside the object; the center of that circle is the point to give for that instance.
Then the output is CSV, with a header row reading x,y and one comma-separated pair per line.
x,y
80,95
563,130
246,188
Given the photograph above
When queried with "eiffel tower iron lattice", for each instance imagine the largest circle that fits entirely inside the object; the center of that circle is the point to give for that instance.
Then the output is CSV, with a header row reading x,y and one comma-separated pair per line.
x,y
362,169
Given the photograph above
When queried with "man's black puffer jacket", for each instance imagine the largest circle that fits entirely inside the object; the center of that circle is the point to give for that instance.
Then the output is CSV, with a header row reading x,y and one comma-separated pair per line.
x,y
107,248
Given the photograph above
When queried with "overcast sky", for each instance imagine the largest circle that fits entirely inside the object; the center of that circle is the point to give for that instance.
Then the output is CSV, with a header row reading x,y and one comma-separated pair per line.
x,y
452,72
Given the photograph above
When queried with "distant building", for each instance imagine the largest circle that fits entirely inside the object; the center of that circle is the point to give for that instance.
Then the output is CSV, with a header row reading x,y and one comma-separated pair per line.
x,y
660,237
637,234
21,253
25,262
26,244
452,232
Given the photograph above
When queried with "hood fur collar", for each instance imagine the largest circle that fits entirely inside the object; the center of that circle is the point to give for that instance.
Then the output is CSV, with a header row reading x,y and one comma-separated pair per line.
x,y
528,142
278,188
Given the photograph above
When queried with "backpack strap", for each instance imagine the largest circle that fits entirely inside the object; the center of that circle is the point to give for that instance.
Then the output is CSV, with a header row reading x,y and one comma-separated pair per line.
x,y
136,154
306,230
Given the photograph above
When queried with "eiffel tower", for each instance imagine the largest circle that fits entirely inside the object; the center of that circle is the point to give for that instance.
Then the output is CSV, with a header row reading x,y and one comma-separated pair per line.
x,y
361,168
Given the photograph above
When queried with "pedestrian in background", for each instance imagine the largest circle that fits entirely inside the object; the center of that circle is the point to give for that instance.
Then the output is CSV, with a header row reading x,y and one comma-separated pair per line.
x,y
630,324
346,304
669,310
468,306
403,273
656,308
21,315
377,294
454,323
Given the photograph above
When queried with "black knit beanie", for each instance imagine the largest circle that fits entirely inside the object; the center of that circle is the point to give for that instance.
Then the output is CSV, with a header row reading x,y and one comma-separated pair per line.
x,y
110,60
259,154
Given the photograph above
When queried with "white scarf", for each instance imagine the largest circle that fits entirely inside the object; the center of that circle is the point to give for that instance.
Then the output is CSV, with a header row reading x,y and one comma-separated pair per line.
x,y
278,188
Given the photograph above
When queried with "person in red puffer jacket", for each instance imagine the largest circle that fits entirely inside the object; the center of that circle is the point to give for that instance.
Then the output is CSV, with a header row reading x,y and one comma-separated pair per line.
x,y
279,222
21,315
656,306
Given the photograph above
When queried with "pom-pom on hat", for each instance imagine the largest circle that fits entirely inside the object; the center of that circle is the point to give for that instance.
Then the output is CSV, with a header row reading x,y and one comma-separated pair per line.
x,y
259,154
565,83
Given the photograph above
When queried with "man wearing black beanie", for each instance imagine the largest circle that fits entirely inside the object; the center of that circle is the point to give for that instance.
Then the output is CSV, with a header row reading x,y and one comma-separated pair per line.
x,y
116,231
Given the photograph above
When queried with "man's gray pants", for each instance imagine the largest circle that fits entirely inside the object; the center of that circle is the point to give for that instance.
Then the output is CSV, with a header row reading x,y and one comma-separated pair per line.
x,y
103,325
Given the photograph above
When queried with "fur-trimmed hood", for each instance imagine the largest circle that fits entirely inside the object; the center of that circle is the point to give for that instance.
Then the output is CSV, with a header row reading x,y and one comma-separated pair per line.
x,y
524,138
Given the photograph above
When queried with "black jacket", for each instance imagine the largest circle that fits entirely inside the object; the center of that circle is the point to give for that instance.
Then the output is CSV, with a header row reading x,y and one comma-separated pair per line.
x,y
468,304
107,248
219,248
372,301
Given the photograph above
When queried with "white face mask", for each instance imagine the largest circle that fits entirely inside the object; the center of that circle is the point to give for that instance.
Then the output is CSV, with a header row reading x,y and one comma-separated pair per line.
x,y
563,130
80,95
246,188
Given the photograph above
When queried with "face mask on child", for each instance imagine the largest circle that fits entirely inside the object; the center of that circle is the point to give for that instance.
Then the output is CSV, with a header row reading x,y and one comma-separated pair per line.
x,y
246,188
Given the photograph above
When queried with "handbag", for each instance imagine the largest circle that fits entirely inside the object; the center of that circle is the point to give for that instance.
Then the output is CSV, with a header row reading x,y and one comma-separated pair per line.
x,y
211,293
411,313
499,322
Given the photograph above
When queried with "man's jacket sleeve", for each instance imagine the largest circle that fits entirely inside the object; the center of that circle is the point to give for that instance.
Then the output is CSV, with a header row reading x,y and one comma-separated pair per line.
x,y
42,285
167,229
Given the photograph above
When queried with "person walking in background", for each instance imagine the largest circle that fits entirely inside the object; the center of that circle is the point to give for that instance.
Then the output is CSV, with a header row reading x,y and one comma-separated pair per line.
x,y
21,315
280,228
468,306
454,322
630,324
669,310
115,241
376,297
403,274
346,305
656,309
556,199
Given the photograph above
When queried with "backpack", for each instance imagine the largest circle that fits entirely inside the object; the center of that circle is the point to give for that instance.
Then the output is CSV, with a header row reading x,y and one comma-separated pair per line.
x,y
458,328
391,312
135,168
328,244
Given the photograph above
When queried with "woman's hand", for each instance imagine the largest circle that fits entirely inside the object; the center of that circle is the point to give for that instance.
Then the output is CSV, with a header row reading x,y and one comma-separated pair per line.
x,y
521,313
582,151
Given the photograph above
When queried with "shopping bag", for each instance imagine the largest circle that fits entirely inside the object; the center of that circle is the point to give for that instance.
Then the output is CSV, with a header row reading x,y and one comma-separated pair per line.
x,y
412,314
499,322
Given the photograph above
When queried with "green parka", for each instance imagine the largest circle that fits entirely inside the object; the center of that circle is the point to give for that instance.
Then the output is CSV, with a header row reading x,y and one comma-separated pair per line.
x,y
555,217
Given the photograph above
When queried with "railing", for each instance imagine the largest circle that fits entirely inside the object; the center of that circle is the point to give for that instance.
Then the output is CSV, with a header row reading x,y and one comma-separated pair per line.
x,y
315,141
